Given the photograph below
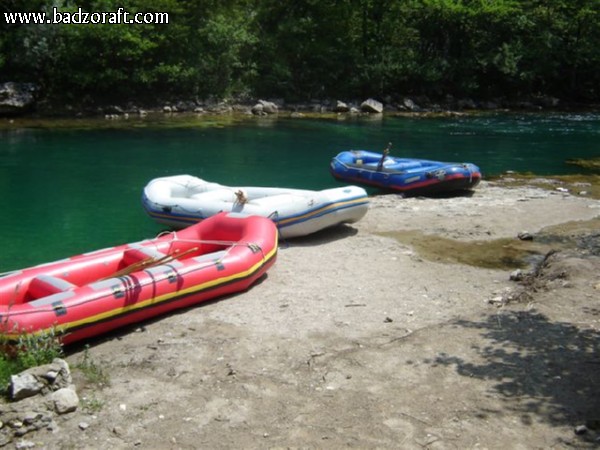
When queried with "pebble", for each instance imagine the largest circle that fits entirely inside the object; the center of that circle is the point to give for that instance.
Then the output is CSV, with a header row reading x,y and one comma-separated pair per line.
x,y
516,275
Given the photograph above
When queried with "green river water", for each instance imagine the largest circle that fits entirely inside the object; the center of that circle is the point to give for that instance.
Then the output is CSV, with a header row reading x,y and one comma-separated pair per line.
x,y
71,189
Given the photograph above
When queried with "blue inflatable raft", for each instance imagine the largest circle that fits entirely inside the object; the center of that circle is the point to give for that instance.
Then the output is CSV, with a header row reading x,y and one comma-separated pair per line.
x,y
406,175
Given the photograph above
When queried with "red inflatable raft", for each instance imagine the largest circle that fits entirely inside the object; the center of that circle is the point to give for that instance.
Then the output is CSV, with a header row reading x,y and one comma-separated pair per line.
x,y
92,293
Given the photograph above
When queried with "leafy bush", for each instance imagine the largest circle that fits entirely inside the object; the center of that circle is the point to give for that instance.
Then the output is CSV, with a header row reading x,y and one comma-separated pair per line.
x,y
310,49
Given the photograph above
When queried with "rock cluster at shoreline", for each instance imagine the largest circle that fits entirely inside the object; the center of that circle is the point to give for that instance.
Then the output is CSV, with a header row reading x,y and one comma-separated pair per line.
x,y
369,106
14,102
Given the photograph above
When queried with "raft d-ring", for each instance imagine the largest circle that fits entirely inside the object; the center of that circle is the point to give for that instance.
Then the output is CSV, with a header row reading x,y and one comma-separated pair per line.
x,y
171,276
255,248
118,291
59,308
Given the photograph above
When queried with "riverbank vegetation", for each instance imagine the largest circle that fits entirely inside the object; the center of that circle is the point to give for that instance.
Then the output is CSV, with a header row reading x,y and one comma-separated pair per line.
x,y
309,49
30,351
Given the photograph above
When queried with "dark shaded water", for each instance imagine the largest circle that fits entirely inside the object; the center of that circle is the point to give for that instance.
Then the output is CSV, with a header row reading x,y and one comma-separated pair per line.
x,y
66,191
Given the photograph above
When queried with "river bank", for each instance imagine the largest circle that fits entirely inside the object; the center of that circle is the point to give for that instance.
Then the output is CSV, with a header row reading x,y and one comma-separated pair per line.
x,y
324,109
187,119
374,336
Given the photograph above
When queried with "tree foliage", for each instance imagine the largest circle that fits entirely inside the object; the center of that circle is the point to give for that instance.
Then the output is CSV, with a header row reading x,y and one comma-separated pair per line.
x,y
305,49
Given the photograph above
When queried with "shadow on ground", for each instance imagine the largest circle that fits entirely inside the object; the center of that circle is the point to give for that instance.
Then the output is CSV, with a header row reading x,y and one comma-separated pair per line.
x,y
321,237
543,368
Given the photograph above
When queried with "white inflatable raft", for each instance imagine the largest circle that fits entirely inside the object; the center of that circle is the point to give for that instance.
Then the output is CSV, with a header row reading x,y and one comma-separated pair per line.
x,y
181,200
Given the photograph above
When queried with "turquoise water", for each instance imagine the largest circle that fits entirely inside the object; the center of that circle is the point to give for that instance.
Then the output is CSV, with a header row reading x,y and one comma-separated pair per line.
x,y
66,191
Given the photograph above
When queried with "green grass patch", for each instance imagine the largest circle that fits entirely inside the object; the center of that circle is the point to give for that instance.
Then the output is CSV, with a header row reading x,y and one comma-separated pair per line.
x,y
93,372
92,404
30,350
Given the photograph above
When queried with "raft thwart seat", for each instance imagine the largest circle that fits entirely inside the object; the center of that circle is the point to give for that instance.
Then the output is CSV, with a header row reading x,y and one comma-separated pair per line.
x,y
44,285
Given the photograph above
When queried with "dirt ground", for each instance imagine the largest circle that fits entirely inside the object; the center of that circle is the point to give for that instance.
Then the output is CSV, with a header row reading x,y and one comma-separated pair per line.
x,y
401,331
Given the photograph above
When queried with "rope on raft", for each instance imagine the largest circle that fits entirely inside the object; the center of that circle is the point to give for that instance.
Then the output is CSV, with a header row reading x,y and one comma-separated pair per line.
x,y
254,247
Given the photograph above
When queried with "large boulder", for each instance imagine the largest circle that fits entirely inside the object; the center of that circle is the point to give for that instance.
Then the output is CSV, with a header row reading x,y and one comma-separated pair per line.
x,y
17,98
371,106
341,107
409,105
40,379
264,107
